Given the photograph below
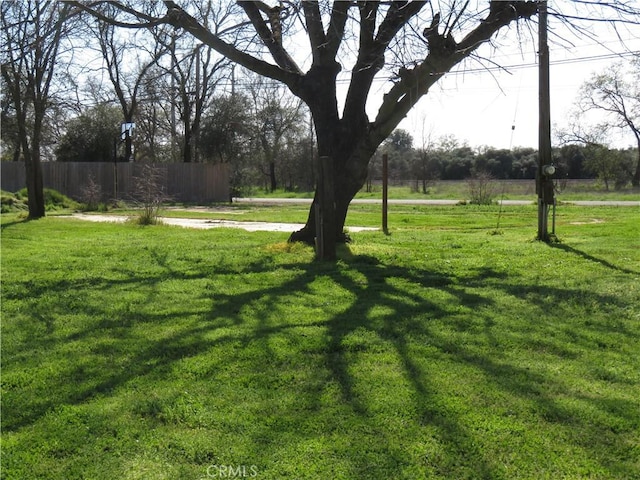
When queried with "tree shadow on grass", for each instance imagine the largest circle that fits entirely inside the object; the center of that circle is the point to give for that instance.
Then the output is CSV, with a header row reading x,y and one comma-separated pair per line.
x,y
17,221
409,316
591,258
383,313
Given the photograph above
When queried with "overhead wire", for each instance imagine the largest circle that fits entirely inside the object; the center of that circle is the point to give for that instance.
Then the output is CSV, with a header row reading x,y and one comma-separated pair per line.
x,y
512,67
515,113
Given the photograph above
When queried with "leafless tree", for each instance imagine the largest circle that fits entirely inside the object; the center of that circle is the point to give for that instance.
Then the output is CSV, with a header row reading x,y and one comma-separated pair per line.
x,y
32,34
409,44
193,73
277,118
127,59
149,193
616,92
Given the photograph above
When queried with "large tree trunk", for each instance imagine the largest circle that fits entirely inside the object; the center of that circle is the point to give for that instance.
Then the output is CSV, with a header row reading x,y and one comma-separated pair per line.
x,y
33,168
186,150
35,190
272,176
350,174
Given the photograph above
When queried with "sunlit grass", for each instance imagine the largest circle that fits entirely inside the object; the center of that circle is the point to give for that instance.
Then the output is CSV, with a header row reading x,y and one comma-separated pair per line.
x,y
439,351
459,190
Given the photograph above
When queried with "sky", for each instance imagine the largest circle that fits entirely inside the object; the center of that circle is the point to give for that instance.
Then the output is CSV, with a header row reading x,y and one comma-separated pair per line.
x,y
500,109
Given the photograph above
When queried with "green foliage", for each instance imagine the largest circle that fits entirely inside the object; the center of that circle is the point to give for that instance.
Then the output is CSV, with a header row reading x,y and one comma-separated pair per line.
x,y
11,202
226,130
53,200
448,159
482,188
90,136
610,166
437,352
400,141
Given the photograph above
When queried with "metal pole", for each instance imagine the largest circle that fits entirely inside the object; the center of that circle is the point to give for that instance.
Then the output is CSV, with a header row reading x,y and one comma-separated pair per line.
x,y
544,129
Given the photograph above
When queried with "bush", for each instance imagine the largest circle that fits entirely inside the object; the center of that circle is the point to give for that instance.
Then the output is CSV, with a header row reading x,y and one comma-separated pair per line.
x,y
53,200
149,194
91,194
10,202
481,188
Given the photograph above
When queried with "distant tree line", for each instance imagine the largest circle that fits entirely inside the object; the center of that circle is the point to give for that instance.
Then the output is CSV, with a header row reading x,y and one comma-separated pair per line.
x,y
162,82
265,138
144,95
449,159
189,104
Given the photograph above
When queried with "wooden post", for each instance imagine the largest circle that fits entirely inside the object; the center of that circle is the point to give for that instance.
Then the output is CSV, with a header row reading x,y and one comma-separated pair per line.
x,y
115,168
325,211
544,129
385,192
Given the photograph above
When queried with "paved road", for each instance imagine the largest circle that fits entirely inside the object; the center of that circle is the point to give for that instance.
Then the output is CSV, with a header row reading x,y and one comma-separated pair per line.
x,y
583,203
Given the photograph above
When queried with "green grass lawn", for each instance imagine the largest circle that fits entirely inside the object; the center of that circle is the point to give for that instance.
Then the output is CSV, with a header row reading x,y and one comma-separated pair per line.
x,y
459,190
449,349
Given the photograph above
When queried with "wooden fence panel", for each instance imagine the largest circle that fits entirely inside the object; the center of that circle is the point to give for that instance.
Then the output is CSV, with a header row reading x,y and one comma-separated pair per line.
x,y
183,182
12,176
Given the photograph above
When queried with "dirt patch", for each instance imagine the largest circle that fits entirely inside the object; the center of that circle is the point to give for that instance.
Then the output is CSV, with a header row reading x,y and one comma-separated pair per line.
x,y
213,209
203,223
590,222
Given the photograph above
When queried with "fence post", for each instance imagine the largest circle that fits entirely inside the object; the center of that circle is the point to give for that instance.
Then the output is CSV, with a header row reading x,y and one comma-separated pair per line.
x,y
325,211
385,192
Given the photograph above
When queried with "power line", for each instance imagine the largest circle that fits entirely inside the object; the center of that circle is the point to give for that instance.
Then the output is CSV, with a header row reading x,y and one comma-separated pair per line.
x,y
587,59
494,68
479,70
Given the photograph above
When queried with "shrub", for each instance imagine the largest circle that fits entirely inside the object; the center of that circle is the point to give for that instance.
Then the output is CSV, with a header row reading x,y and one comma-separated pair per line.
x,y
481,187
91,194
149,194
10,202
53,200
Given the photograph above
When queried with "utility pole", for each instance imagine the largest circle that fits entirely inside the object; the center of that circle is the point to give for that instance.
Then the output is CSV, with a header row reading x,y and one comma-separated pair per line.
x,y
544,181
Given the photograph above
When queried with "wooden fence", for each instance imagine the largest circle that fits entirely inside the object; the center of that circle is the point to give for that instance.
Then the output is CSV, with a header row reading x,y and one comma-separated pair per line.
x,y
183,182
